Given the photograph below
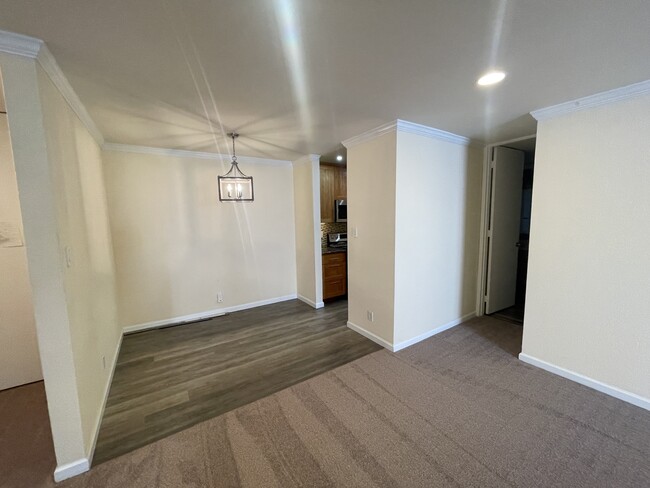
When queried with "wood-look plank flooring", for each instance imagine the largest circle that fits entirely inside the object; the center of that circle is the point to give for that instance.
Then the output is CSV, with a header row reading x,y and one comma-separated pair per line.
x,y
169,379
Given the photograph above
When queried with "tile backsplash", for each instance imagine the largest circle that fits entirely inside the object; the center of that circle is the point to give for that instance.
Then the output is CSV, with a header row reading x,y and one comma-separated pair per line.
x,y
330,227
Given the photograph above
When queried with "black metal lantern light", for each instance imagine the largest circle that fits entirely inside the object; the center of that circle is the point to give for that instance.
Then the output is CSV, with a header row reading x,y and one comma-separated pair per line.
x,y
235,186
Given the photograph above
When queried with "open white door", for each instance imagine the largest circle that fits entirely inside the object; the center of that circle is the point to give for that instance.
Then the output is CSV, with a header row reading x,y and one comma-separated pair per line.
x,y
506,175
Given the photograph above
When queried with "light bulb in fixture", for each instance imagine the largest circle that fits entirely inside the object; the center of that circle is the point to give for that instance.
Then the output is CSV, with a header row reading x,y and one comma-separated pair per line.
x,y
339,158
491,78
235,186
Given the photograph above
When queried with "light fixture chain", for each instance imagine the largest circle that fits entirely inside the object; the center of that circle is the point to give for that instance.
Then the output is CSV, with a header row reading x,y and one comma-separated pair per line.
x,y
234,136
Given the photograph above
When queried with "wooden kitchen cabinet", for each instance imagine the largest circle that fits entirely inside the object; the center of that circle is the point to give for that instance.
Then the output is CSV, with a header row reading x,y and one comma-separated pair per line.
x,y
335,276
333,186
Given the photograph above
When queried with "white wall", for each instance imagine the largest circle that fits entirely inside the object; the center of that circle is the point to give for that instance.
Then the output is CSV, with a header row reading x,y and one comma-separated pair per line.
x,y
19,360
371,255
414,198
37,200
40,198
176,245
306,194
437,221
83,229
587,305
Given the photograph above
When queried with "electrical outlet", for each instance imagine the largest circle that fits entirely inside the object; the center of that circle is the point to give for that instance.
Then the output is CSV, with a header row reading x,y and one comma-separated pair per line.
x,y
355,232
371,316
219,297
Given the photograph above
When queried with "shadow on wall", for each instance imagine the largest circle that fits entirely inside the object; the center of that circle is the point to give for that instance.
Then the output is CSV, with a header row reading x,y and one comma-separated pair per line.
x,y
458,228
437,232
471,231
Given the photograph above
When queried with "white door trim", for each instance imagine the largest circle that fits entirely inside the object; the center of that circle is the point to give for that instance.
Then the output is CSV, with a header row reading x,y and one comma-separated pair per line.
x,y
485,209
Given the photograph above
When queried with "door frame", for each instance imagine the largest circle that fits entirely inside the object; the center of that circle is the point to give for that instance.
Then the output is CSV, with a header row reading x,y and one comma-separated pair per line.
x,y
485,210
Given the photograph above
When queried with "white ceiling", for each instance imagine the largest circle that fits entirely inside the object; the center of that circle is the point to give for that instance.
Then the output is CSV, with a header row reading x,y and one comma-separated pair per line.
x,y
297,77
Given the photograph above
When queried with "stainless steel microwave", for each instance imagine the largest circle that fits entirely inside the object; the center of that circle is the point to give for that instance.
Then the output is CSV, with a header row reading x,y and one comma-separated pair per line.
x,y
340,210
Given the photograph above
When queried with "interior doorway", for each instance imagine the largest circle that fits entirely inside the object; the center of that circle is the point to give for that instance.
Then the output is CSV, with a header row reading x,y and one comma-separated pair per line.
x,y
507,202
26,448
333,225
20,361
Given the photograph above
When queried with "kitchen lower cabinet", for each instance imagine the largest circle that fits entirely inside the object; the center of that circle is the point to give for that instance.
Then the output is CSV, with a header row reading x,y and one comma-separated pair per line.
x,y
335,276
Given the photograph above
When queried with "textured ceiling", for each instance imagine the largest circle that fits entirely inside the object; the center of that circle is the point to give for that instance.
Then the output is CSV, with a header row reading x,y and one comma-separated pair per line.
x,y
297,77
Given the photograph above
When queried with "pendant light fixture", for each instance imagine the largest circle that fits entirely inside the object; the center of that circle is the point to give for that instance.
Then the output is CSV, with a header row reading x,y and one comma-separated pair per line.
x,y
235,186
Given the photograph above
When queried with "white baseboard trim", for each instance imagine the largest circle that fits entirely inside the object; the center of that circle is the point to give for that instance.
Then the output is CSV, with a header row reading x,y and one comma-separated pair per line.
x,y
310,302
107,390
404,344
375,338
69,470
432,332
626,396
181,319
208,314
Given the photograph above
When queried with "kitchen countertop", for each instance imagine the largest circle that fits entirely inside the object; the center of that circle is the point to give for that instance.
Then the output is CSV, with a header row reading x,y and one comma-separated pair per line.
x,y
331,250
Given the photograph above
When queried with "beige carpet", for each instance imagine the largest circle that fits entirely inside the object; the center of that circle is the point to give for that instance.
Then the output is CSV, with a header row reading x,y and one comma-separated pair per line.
x,y
26,450
456,410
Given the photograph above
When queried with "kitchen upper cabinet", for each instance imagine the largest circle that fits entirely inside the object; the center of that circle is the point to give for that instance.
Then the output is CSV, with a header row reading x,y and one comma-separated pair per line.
x,y
333,186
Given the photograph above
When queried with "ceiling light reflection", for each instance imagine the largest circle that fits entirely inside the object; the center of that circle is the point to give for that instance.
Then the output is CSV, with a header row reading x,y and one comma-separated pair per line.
x,y
293,53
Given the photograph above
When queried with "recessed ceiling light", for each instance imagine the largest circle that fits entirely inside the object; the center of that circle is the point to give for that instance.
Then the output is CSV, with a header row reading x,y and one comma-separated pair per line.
x,y
491,78
339,158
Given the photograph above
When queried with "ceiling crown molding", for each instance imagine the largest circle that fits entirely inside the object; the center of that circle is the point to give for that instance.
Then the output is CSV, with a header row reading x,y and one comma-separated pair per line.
x,y
370,134
308,158
411,128
592,101
423,130
51,67
30,47
183,153
20,45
